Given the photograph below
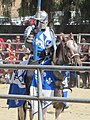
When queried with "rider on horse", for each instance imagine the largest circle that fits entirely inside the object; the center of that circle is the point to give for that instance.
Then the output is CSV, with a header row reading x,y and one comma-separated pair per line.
x,y
37,38
41,37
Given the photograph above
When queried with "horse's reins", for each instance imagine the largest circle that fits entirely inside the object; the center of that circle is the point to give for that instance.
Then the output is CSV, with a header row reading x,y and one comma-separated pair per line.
x,y
76,54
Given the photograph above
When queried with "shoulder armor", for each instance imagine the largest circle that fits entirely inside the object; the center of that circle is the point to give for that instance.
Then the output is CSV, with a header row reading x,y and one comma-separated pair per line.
x,y
28,30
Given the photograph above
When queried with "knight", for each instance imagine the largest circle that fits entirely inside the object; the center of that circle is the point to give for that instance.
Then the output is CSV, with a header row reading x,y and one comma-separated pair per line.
x,y
39,37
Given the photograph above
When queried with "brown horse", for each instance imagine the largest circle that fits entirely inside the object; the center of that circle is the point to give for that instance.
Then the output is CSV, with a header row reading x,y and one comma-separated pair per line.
x,y
66,54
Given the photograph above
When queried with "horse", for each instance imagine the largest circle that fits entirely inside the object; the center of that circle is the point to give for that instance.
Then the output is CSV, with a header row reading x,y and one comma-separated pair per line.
x,y
65,54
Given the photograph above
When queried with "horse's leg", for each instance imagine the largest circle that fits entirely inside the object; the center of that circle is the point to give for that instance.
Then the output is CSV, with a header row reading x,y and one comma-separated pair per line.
x,y
59,106
30,114
21,113
58,112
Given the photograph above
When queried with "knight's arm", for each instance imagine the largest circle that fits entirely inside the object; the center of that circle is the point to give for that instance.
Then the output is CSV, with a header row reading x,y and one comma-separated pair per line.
x,y
29,35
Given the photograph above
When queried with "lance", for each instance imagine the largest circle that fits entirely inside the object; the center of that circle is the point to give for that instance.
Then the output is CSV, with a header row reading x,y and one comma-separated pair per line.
x,y
38,16
39,8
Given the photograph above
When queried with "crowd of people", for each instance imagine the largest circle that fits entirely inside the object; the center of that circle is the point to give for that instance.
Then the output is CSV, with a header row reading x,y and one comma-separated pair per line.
x,y
12,51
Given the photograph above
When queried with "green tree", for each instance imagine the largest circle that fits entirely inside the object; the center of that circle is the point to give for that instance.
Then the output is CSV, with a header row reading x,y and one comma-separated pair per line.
x,y
29,7
85,8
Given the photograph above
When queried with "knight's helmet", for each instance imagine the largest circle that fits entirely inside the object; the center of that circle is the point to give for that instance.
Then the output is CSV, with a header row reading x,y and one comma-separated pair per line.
x,y
29,32
42,18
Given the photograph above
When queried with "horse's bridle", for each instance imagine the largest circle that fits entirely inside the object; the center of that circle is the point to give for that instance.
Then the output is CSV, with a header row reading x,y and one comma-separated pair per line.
x,y
76,54
72,54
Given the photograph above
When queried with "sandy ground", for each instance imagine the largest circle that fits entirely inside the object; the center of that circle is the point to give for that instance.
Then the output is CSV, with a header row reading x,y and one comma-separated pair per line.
x,y
76,111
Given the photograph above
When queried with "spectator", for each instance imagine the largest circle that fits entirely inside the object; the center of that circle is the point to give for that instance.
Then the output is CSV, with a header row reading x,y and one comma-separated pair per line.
x,y
1,59
11,52
2,48
84,58
14,44
9,48
18,48
10,59
89,65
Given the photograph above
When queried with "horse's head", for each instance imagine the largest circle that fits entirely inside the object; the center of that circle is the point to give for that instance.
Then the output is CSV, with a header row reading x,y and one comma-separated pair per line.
x,y
66,53
73,52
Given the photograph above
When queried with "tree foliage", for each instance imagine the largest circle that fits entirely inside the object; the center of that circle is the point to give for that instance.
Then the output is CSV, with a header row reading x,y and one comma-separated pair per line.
x,y
29,7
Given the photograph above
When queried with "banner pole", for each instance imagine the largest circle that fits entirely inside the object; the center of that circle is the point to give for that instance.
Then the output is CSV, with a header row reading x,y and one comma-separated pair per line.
x,y
39,8
38,16
40,113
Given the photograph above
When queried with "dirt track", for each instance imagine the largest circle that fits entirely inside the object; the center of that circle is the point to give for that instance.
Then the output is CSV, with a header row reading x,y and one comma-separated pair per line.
x,y
76,111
